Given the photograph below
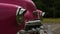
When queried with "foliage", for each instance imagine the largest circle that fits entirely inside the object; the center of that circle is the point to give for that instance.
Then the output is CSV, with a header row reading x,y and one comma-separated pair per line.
x,y
51,20
51,7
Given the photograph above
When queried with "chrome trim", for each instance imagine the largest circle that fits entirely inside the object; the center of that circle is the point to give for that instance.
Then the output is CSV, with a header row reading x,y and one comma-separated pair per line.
x,y
33,21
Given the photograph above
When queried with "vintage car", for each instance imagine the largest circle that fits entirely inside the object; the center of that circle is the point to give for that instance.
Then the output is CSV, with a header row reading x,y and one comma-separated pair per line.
x,y
15,14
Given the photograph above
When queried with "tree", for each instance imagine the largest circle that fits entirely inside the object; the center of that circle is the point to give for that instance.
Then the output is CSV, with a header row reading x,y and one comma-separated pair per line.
x,y
51,7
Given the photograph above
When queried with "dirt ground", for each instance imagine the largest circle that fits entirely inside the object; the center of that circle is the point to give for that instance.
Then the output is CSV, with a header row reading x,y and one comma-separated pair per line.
x,y
55,28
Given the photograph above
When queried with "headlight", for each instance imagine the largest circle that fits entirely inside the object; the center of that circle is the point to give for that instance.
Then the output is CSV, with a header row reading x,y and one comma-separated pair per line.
x,y
43,13
20,15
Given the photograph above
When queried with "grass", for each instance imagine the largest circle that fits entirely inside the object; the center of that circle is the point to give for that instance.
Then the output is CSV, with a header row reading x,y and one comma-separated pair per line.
x,y
51,20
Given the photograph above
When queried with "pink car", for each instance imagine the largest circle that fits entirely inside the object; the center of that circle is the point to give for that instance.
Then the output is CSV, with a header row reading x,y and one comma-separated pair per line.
x,y
8,13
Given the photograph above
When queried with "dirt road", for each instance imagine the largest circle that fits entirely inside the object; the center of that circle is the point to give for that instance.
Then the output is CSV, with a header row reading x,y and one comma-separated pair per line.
x,y
55,28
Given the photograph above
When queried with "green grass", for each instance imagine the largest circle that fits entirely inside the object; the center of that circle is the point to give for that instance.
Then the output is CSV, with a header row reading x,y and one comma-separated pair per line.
x,y
51,20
